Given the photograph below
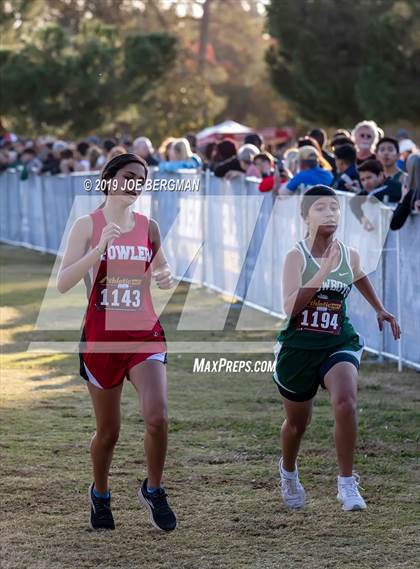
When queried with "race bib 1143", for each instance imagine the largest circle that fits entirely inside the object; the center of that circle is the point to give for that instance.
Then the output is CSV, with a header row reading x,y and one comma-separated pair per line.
x,y
118,293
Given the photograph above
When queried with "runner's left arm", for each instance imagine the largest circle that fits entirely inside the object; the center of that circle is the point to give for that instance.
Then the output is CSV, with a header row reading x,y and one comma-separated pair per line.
x,y
364,286
161,270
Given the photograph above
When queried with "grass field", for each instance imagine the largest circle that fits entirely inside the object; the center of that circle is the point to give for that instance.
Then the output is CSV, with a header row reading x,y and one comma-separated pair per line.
x,y
221,471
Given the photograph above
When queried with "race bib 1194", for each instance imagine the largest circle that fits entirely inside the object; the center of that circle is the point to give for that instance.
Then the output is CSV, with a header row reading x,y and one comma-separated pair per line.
x,y
320,316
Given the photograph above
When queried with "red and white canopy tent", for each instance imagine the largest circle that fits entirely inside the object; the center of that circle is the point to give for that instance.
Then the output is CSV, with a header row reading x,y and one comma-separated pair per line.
x,y
237,132
226,129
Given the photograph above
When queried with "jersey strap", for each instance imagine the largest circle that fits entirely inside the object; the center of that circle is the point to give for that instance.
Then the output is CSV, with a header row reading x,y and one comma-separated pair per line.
x,y
311,266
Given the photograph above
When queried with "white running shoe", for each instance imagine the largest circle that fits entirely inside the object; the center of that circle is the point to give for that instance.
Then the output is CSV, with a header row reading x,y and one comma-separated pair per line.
x,y
291,489
349,495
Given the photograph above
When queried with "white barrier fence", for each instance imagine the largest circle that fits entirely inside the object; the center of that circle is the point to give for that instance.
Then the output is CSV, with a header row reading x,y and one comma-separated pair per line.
x,y
231,238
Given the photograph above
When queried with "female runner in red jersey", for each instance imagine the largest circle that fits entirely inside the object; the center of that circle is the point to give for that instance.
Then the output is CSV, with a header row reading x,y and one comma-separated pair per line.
x,y
116,249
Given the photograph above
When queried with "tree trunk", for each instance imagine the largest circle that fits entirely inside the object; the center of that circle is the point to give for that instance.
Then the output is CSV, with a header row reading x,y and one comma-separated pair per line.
x,y
204,36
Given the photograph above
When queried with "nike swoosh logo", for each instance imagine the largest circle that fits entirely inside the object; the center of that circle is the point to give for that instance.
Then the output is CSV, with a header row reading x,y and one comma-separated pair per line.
x,y
342,274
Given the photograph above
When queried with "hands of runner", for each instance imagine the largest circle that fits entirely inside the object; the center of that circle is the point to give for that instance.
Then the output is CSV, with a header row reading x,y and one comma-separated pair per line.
x,y
331,258
109,233
163,277
382,315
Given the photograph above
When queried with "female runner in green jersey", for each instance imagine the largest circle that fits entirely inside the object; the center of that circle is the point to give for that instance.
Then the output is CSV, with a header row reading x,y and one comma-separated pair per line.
x,y
319,346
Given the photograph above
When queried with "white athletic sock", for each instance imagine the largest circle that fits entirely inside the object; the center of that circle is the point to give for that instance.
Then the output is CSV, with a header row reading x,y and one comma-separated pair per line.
x,y
344,479
288,474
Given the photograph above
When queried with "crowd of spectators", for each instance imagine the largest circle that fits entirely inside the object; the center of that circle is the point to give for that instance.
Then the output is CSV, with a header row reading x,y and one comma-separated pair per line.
x,y
362,161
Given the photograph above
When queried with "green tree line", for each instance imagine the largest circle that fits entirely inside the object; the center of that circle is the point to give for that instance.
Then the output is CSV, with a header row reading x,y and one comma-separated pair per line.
x,y
77,83
167,67
338,62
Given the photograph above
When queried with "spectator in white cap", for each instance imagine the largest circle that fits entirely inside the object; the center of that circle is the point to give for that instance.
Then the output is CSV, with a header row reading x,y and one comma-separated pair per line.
x,y
407,147
246,155
143,147
58,147
51,163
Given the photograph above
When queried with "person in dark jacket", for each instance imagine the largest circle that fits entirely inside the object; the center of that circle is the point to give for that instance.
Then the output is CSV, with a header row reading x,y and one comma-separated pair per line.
x,y
410,199
373,182
226,159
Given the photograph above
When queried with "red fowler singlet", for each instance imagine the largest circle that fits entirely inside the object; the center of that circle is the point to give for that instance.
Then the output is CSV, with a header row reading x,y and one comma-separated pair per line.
x,y
121,328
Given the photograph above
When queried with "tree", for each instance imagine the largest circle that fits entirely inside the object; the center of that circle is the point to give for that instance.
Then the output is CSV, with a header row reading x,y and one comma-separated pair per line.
x,y
106,65
238,74
181,102
337,62
79,83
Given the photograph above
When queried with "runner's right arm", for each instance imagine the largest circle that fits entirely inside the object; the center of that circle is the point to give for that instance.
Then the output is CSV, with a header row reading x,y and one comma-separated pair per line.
x,y
295,296
78,258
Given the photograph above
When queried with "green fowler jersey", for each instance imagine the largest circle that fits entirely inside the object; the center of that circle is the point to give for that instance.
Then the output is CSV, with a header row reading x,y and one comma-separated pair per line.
x,y
323,322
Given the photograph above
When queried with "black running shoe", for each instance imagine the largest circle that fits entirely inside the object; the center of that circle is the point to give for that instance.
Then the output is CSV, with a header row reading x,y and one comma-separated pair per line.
x,y
160,514
100,511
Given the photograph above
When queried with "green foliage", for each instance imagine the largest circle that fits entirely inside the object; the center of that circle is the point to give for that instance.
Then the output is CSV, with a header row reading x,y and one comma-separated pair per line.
x,y
117,71
238,73
181,102
77,83
154,53
339,61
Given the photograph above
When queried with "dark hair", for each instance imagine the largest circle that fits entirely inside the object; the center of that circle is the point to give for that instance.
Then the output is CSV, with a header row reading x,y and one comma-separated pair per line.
x,y
341,132
82,148
66,154
29,151
347,152
113,166
390,140
319,134
373,166
265,156
225,149
209,150
255,139
341,140
312,195
308,141
192,139
109,144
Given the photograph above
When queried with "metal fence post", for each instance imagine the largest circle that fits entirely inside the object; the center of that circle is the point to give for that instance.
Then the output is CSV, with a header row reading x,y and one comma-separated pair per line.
x,y
400,365
381,287
207,182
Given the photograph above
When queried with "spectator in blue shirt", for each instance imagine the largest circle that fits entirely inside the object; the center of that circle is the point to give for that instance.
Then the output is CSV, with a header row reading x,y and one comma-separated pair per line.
x,y
310,174
180,157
